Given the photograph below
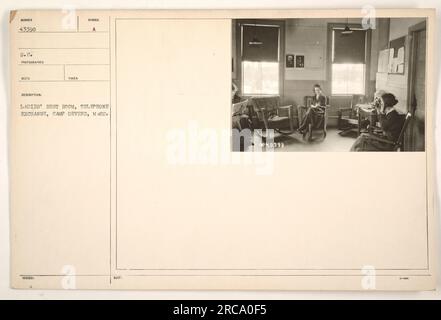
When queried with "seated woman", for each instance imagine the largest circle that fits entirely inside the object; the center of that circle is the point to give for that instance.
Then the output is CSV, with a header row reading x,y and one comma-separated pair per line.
x,y
240,119
314,114
391,123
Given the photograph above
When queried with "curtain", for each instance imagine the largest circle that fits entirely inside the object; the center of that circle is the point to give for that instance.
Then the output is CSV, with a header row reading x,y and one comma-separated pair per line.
x,y
268,50
349,48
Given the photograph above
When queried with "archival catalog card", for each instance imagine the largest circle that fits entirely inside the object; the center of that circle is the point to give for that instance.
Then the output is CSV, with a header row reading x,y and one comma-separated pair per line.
x,y
246,150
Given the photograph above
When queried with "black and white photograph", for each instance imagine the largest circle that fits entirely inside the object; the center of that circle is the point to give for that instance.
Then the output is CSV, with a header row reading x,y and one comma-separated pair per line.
x,y
290,61
150,153
300,61
357,86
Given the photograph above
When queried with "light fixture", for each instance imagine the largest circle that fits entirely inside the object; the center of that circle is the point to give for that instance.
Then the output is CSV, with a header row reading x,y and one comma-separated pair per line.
x,y
255,41
347,30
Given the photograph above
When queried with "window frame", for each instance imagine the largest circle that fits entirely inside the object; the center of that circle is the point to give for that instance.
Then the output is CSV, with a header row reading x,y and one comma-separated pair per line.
x,y
330,54
281,53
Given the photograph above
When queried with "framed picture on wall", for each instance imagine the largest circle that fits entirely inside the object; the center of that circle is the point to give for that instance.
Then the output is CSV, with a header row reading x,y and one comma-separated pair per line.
x,y
290,61
300,61
396,56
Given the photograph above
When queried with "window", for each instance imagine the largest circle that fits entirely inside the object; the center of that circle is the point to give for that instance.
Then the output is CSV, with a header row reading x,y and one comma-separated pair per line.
x,y
260,78
348,62
260,59
348,78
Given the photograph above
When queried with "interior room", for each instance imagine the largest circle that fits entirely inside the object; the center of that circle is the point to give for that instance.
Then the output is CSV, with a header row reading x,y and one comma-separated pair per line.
x,y
353,73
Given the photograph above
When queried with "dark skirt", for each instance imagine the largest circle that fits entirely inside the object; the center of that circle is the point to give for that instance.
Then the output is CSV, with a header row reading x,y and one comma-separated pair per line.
x,y
363,143
314,116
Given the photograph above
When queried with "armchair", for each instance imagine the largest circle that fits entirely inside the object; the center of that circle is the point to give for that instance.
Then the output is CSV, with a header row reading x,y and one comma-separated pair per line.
x,y
240,118
267,113
394,145
348,117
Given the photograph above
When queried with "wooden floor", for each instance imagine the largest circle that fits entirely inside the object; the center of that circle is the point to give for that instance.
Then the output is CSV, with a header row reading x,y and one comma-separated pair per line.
x,y
333,142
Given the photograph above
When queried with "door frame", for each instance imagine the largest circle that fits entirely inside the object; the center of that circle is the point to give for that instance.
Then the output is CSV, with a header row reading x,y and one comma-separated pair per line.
x,y
411,106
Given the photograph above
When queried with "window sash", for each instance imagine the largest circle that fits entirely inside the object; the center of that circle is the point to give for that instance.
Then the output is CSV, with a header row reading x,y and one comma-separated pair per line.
x,y
267,50
349,48
263,80
348,79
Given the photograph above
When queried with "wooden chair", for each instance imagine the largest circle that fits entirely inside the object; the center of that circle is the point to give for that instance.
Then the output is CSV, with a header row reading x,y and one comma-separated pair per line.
x,y
267,113
240,107
348,117
395,145
323,126
240,110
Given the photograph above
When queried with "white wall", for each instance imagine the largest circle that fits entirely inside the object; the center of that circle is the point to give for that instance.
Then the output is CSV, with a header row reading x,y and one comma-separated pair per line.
x,y
397,83
400,27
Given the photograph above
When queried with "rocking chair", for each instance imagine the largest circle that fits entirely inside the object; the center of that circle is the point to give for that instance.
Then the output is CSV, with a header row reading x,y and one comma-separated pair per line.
x,y
267,114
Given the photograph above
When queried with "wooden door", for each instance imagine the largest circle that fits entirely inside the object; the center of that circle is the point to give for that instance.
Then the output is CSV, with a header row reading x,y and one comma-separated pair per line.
x,y
415,137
